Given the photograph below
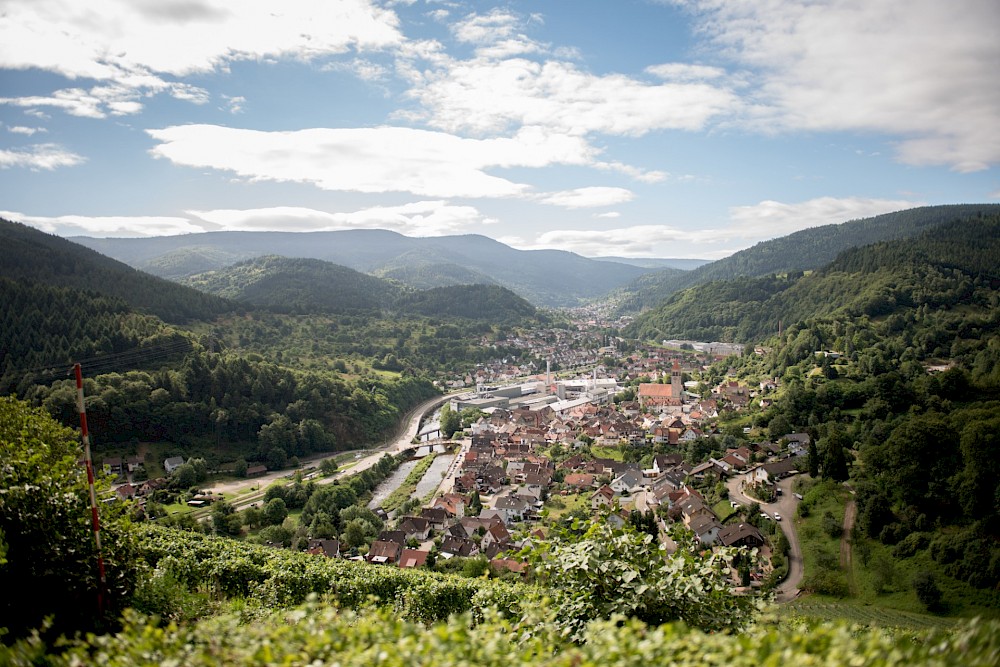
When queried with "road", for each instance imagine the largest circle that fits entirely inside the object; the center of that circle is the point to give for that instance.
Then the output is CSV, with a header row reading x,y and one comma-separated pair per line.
x,y
401,440
786,506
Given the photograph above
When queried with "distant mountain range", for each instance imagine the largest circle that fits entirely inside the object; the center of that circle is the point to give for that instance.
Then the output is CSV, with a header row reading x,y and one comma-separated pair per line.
x,y
544,277
549,278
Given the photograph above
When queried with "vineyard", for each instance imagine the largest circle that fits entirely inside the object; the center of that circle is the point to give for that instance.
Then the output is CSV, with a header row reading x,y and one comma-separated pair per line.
x,y
869,615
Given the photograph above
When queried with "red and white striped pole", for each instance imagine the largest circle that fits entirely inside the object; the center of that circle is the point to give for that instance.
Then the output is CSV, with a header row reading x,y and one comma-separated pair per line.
x,y
95,519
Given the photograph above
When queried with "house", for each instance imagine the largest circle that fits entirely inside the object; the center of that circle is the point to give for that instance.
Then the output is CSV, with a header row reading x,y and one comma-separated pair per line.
x,y
603,497
514,506
772,472
458,546
328,548
579,480
509,565
126,491
741,535
452,503
256,471
415,527
706,528
628,482
437,517
496,534
411,558
382,552
664,462
134,463
173,463
397,536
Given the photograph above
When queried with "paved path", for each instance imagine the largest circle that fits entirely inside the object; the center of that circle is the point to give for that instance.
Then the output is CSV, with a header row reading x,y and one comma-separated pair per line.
x,y
786,506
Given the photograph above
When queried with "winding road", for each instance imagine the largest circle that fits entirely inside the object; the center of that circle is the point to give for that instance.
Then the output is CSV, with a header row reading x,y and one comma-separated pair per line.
x,y
786,506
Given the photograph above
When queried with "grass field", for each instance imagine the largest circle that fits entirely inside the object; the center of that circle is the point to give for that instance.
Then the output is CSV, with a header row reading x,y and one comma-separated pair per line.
x,y
603,452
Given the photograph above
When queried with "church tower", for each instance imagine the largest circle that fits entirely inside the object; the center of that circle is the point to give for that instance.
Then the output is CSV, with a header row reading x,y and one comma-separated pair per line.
x,y
676,386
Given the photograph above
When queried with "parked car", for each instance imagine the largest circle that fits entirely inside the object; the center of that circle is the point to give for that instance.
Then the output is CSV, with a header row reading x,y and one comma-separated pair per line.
x,y
777,517
798,495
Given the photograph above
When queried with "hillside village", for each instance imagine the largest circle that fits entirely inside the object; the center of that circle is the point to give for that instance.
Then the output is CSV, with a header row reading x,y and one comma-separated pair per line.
x,y
536,449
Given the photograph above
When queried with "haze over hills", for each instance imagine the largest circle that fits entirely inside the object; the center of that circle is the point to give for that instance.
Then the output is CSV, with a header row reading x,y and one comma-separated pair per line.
x,y
544,277
802,251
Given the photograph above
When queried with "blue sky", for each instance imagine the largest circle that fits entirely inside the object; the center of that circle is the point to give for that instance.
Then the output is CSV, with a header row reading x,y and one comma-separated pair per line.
x,y
672,128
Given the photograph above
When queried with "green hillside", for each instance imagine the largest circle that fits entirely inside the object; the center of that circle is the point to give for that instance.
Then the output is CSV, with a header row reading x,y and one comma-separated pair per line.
x,y
490,303
298,286
805,250
27,254
312,286
948,265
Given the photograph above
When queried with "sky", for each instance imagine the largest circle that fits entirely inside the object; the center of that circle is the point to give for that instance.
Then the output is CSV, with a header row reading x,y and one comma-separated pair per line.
x,y
637,128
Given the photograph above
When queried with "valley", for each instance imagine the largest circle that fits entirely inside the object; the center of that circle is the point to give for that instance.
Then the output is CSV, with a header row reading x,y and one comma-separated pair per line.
x,y
817,434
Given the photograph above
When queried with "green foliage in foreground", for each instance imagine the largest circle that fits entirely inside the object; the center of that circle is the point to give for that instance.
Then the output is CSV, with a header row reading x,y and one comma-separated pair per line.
x,y
46,543
316,634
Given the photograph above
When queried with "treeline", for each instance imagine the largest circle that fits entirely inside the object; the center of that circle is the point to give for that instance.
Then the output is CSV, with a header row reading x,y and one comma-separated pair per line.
x,y
30,255
353,343
225,399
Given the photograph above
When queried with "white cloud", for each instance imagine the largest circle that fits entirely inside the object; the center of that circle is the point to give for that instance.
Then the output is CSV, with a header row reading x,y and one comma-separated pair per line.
x,y
636,241
608,214
424,218
28,131
116,226
923,70
685,72
487,96
496,26
771,219
372,160
235,103
588,197
40,156
132,43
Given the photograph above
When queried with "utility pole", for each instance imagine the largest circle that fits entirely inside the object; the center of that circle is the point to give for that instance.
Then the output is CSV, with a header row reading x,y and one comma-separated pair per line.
x,y
95,519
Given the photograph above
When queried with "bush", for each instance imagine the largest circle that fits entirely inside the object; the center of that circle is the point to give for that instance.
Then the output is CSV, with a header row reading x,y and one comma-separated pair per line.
x,y
927,591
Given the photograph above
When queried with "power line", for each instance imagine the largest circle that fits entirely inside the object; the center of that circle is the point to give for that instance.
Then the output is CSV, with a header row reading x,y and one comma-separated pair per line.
x,y
105,363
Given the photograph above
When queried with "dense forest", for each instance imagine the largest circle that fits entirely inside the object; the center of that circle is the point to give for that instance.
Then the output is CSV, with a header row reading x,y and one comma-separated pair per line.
x,y
806,250
931,275
27,254
303,286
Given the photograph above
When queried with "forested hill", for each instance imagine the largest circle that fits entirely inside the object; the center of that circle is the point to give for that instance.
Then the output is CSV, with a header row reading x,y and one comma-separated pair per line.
x,y
303,286
32,255
490,303
952,265
292,285
544,277
805,250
